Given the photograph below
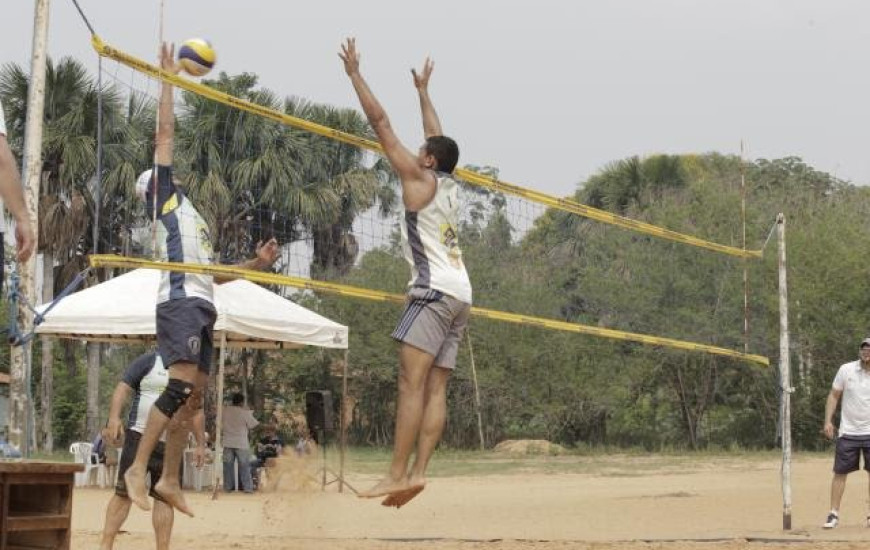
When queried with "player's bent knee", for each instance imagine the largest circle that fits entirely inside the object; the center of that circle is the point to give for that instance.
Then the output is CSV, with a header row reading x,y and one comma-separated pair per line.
x,y
174,397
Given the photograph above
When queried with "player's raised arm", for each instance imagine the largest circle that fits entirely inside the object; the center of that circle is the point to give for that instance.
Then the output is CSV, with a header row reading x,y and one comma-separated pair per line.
x,y
165,112
417,185
431,123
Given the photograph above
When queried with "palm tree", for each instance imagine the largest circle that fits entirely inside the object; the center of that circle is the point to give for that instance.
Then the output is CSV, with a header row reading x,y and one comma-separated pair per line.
x,y
623,184
66,203
128,148
340,167
246,172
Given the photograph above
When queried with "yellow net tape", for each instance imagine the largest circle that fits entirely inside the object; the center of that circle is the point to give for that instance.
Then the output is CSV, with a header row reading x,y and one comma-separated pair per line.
x,y
231,272
566,205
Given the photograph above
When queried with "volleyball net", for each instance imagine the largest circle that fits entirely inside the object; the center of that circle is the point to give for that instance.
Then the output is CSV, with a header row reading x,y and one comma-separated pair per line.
x,y
259,165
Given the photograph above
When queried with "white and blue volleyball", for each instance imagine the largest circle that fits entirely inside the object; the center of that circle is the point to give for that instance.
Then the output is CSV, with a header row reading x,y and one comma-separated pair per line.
x,y
196,56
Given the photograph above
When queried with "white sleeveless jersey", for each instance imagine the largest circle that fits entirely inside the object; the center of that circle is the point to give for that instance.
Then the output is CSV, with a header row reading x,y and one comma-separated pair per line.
x,y
431,244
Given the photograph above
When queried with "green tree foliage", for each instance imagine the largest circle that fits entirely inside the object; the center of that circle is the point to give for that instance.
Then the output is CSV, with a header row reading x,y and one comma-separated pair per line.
x,y
582,390
251,176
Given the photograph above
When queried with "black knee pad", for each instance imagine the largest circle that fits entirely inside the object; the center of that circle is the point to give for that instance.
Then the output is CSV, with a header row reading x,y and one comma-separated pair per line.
x,y
174,397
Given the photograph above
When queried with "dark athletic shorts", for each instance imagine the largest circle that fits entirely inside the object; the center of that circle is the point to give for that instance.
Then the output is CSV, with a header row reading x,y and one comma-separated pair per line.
x,y
128,456
433,322
184,332
848,448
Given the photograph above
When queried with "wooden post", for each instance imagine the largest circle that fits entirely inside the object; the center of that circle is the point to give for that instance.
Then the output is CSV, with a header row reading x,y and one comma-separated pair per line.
x,y
20,357
476,392
217,461
47,386
98,180
745,260
784,376
341,425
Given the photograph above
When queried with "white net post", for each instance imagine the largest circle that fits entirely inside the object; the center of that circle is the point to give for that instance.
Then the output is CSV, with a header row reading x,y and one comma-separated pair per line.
x,y
784,375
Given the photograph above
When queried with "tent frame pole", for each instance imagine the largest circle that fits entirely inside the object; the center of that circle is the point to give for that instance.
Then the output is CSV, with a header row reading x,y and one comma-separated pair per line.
x,y
217,472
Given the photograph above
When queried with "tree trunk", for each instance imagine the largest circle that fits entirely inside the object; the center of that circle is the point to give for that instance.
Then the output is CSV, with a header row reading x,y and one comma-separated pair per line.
x,y
254,365
47,388
92,418
334,250
211,404
69,357
20,356
243,375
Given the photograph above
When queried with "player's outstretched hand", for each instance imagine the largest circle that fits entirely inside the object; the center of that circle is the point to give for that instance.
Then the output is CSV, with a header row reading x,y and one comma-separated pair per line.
x,y
268,252
350,56
167,58
421,81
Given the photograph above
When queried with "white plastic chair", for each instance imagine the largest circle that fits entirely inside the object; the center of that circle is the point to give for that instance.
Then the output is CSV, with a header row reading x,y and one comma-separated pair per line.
x,y
84,454
202,476
193,477
102,474
82,451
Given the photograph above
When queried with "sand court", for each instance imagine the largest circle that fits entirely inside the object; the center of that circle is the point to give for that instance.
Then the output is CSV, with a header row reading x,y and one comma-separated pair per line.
x,y
673,502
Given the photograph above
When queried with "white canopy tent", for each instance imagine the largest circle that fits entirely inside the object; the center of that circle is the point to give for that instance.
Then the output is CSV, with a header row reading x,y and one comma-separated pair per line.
x,y
122,310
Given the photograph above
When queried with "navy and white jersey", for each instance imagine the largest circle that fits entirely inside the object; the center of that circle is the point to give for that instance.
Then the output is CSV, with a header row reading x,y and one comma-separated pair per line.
x,y
148,377
182,236
430,243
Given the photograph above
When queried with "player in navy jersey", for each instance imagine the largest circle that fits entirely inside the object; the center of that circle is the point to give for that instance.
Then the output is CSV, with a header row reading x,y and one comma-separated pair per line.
x,y
185,308
143,380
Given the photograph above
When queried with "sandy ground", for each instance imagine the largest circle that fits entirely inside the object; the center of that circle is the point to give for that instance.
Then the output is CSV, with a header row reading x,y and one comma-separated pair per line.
x,y
723,503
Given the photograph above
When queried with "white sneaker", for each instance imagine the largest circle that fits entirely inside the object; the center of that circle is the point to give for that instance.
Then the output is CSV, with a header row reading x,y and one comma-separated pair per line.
x,y
833,520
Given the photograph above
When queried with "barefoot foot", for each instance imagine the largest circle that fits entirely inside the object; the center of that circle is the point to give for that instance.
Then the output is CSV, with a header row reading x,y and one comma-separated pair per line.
x,y
134,479
386,486
171,493
397,500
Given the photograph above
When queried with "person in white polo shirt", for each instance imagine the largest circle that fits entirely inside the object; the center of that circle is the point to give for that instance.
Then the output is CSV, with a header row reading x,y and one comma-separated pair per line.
x,y
852,384
13,195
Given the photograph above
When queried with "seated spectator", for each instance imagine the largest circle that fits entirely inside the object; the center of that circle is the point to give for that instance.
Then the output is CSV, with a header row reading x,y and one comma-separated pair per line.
x,y
98,449
304,445
268,447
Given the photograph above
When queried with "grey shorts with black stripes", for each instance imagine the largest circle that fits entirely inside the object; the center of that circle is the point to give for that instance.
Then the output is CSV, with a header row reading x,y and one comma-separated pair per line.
x,y
433,322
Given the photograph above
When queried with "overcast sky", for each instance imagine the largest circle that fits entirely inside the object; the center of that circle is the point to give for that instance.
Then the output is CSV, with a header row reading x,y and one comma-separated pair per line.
x,y
547,90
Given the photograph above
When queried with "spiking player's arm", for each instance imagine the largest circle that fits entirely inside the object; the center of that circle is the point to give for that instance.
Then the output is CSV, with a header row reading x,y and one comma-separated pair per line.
x,y
165,112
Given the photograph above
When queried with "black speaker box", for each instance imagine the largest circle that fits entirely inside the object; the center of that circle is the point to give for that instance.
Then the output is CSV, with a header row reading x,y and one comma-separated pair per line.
x,y
318,412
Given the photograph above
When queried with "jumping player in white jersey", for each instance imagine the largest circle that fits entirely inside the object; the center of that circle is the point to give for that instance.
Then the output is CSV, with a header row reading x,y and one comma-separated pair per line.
x,y
185,310
145,379
439,293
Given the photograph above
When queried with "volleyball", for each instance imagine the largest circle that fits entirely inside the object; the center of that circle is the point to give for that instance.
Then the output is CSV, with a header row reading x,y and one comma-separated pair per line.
x,y
196,56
